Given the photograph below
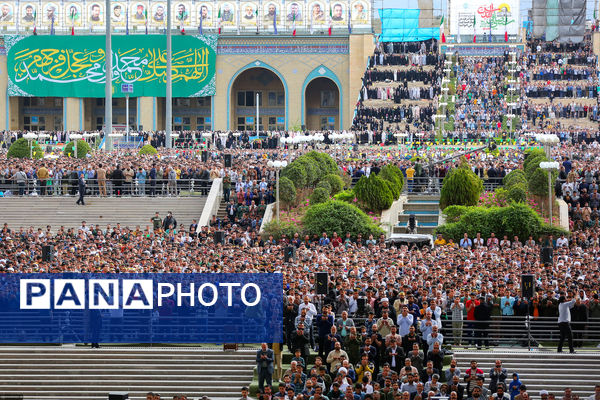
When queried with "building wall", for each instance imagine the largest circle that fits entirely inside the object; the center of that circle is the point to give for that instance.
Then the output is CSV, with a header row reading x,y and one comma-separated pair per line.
x,y
295,60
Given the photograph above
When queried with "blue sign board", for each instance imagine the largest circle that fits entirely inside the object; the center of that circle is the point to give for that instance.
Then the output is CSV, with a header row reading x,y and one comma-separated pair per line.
x,y
127,88
151,308
249,120
280,120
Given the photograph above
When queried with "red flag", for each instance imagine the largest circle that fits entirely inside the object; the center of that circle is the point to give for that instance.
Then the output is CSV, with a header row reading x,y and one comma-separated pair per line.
x,y
474,38
72,30
505,36
443,38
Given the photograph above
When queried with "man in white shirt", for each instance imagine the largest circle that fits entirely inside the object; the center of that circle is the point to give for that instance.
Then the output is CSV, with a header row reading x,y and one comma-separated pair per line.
x,y
564,322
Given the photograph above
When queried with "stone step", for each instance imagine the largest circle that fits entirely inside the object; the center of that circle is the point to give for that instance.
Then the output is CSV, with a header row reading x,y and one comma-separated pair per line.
x,y
130,371
416,207
426,230
133,395
189,364
403,218
423,197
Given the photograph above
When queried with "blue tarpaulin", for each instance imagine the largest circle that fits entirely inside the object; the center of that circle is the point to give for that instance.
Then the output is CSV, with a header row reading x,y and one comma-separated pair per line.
x,y
402,25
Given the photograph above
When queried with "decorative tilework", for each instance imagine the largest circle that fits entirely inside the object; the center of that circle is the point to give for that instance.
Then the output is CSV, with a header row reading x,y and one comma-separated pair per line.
x,y
282,49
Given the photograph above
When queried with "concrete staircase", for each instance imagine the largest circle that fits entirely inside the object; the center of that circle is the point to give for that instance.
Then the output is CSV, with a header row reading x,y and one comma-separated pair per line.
x,y
541,369
427,210
77,373
128,211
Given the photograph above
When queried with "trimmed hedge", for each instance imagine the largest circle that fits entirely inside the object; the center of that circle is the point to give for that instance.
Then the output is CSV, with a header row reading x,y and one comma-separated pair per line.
x,y
82,149
287,191
20,149
373,193
335,181
319,195
147,149
516,219
338,216
461,187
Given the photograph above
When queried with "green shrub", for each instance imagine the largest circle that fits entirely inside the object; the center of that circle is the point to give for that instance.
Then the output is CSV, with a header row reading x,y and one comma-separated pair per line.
x,y
325,163
296,173
20,149
312,170
346,195
287,191
461,187
279,228
373,193
335,182
516,219
82,148
533,165
518,192
147,149
453,213
514,177
391,168
395,182
531,154
340,217
319,195
501,195
325,185
538,182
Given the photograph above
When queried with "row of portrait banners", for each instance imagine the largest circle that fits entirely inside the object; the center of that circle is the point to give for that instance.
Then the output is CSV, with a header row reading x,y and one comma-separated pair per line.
x,y
21,15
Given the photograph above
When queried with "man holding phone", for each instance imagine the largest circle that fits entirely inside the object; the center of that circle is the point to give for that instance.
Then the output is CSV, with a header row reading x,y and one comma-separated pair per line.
x,y
564,320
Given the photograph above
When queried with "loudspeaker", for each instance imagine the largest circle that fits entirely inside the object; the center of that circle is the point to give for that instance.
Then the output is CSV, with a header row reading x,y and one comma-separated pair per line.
x,y
546,256
47,253
527,286
227,160
361,303
219,237
118,396
204,156
322,282
290,253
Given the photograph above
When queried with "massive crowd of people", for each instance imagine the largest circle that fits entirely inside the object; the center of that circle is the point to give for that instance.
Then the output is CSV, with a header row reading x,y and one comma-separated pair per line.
x,y
390,313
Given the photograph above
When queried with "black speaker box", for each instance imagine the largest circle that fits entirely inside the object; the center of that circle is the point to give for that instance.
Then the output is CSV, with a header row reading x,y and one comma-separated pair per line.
x,y
204,156
527,286
290,253
227,160
47,253
547,254
322,282
219,237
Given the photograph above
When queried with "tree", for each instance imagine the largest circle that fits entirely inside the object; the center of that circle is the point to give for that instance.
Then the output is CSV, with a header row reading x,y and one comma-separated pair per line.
x,y
338,216
319,195
461,187
82,149
373,193
147,149
534,165
335,181
296,173
538,182
287,191
20,149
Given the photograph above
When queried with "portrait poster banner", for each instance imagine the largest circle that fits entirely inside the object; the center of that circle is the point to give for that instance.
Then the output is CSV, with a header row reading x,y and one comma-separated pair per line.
x,y
74,66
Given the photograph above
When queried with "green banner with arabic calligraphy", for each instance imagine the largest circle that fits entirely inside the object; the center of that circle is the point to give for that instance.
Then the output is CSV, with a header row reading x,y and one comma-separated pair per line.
x,y
74,66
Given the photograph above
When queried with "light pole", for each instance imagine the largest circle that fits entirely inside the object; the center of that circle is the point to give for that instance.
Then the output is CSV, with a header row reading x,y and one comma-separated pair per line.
x,y
547,140
278,165
169,94
75,137
549,166
108,83
30,136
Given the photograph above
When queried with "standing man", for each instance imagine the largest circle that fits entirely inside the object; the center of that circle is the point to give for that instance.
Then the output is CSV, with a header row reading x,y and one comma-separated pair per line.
x,y
82,187
564,322
264,363
101,173
156,221
42,175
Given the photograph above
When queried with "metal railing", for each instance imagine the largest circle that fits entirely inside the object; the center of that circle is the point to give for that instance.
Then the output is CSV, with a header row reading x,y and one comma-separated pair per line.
x,y
509,331
69,187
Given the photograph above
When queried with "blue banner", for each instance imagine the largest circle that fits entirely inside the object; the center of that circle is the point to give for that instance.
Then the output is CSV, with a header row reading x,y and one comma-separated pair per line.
x,y
141,308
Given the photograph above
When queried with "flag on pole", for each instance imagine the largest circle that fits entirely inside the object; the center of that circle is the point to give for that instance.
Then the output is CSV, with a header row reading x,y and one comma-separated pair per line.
x,y
127,20
330,21
275,21
442,29
349,18
294,24
72,16
34,22
490,38
219,21
474,33
52,25
181,27
146,18
506,26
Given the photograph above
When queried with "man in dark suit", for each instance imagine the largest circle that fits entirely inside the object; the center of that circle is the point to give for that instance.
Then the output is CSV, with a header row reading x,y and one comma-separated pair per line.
x,y
394,355
82,187
264,363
